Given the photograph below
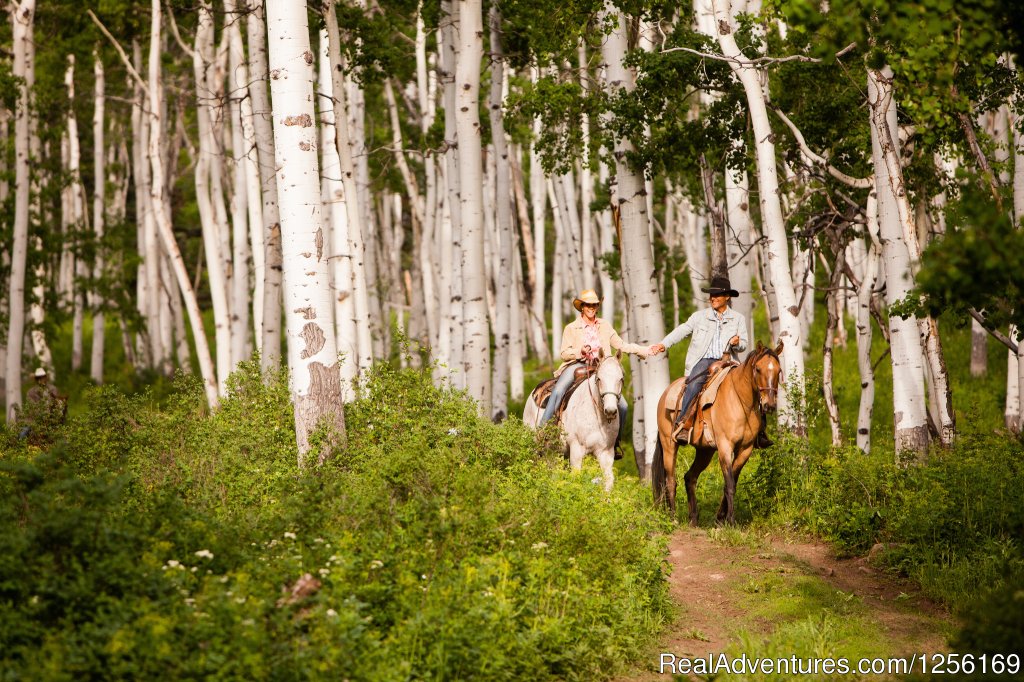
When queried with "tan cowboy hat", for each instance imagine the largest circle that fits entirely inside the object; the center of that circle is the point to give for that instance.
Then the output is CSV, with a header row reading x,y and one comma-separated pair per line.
x,y
586,296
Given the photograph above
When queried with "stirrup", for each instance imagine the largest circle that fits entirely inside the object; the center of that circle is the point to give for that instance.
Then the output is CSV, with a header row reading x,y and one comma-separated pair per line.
x,y
763,441
681,434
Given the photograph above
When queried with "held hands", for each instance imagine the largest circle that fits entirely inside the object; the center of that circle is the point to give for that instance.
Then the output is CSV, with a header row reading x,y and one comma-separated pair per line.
x,y
656,348
734,341
587,353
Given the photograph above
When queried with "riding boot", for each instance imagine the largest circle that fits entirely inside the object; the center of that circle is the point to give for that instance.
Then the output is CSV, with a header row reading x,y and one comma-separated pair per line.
x,y
684,425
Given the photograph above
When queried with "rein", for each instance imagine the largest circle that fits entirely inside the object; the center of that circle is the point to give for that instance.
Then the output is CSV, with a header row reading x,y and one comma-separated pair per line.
x,y
762,391
597,400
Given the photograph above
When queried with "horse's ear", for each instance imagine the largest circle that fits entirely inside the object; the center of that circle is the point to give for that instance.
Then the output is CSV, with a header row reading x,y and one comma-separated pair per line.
x,y
778,348
760,347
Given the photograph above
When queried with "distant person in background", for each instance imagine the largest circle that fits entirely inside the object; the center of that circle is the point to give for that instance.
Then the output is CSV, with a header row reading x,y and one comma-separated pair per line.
x,y
42,405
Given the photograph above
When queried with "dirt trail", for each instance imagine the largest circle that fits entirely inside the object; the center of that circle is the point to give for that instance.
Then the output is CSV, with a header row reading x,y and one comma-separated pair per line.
x,y
711,578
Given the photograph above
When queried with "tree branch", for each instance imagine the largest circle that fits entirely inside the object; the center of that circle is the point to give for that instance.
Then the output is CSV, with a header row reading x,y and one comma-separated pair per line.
x,y
177,36
856,183
996,334
757,61
120,50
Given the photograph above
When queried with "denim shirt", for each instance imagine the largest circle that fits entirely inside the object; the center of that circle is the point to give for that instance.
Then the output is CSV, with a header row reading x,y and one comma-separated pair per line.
x,y
703,325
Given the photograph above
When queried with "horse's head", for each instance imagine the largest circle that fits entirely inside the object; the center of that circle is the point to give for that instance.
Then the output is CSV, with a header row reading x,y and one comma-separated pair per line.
x,y
610,380
767,370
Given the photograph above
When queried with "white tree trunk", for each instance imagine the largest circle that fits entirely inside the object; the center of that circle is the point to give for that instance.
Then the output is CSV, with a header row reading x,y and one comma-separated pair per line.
x,y
76,219
312,352
908,365
157,201
98,215
363,356
1014,363
639,274
240,291
477,354
776,246
453,346
209,200
336,217
23,16
866,261
505,278
740,244
270,345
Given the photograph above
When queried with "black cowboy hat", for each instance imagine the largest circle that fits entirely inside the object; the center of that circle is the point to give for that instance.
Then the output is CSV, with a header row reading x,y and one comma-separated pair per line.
x,y
720,287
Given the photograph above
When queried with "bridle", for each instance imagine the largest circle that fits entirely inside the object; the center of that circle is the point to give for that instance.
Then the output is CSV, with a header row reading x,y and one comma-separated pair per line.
x,y
764,392
601,395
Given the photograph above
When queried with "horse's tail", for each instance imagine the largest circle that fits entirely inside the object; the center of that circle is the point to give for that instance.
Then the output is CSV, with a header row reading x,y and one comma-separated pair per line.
x,y
658,478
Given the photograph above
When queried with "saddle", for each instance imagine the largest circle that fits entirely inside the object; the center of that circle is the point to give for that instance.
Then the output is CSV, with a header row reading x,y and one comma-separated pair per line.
x,y
542,393
717,372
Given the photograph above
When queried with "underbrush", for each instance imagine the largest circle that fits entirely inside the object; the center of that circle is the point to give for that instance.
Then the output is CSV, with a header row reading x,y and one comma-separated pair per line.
x,y
167,542
954,523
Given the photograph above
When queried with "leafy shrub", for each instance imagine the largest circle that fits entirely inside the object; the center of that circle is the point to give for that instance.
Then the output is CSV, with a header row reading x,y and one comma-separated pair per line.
x,y
169,542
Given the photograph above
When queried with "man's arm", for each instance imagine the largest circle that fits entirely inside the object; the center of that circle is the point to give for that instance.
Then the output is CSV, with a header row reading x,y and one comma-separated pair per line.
x,y
680,332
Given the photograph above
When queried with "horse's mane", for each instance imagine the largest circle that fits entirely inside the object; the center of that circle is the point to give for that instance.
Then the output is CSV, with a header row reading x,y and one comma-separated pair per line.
x,y
758,354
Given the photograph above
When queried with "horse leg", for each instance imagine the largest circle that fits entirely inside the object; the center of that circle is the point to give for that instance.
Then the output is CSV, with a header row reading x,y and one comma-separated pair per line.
x,y
700,463
669,448
606,458
576,453
738,462
725,459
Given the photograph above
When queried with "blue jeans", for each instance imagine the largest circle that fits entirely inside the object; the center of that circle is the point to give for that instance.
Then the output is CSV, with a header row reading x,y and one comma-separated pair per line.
x,y
698,377
562,385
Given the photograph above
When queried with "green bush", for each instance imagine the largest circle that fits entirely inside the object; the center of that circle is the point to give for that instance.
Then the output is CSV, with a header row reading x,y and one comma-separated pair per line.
x,y
166,542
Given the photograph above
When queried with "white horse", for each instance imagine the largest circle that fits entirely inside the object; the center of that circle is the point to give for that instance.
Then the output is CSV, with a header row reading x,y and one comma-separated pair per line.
x,y
590,422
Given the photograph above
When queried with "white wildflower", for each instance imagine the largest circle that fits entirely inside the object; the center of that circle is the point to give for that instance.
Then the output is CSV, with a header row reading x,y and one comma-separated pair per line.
x,y
376,563
224,579
537,546
318,541
194,569
332,613
204,554
239,600
324,571
248,621
453,432
290,535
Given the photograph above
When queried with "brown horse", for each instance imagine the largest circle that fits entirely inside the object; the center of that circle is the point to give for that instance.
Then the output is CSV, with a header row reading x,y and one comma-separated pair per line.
x,y
745,395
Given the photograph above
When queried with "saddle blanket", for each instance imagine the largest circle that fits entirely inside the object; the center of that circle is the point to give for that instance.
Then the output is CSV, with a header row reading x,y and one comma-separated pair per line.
x,y
675,395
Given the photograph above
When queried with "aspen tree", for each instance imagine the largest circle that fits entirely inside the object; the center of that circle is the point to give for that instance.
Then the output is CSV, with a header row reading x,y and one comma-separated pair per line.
x,y
356,248
256,31
505,277
154,112
98,213
336,216
776,248
909,409
23,17
240,292
312,353
646,325
477,343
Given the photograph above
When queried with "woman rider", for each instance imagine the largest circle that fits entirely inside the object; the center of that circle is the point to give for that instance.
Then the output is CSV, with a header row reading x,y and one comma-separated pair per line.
x,y
583,339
